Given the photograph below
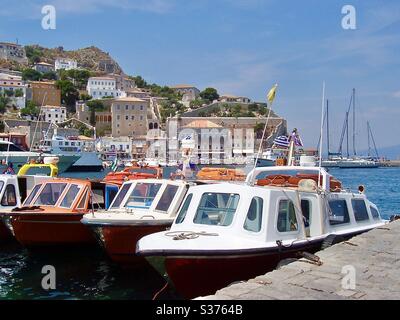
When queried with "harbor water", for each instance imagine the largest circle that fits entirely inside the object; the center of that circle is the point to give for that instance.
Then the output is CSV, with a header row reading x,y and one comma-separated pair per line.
x,y
86,273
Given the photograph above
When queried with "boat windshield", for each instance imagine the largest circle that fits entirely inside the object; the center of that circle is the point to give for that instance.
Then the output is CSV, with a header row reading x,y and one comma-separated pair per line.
x,y
142,195
50,194
32,194
70,196
217,209
121,195
166,198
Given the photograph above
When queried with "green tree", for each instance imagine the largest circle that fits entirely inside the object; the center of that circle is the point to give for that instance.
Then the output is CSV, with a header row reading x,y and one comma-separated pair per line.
x,y
78,76
209,94
140,82
31,75
31,109
94,105
69,94
85,97
50,75
9,93
19,93
33,54
4,101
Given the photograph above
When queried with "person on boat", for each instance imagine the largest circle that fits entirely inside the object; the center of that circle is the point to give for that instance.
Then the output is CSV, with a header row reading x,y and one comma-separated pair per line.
x,y
9,169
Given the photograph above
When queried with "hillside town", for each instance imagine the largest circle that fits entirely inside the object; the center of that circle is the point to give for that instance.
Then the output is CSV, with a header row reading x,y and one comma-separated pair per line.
x,y
43,96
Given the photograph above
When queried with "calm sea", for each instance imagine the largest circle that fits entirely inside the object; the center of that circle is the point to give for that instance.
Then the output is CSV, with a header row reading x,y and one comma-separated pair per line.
x,y
88,274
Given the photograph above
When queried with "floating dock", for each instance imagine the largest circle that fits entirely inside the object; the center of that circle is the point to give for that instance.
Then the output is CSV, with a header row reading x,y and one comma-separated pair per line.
x,y
366,267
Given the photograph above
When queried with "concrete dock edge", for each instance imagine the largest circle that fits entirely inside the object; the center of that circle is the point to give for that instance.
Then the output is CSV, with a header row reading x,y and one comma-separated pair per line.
x,y
366,267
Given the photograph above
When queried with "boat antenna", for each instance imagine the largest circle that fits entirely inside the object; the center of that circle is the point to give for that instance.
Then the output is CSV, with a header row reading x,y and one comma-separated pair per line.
x,y
322,134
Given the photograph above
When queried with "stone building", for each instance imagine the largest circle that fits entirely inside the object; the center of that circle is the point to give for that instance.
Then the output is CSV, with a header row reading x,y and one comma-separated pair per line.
x,y
222,140
45,93
129,117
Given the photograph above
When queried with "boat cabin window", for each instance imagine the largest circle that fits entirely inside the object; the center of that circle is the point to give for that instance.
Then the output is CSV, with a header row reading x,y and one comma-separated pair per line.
x,y
287,221
121,195
50,194
375,213
217,209
143,195
32,194
306,210
253,221
82,203
360,209
184,209
70,196
9,197
166,198
339,213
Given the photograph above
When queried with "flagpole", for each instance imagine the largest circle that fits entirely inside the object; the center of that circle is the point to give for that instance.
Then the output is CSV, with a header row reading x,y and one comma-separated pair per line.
x,y
322,134
265,129
270,98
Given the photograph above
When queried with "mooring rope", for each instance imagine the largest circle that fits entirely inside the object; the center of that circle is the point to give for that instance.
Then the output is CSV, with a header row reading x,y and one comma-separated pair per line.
x,y
189,235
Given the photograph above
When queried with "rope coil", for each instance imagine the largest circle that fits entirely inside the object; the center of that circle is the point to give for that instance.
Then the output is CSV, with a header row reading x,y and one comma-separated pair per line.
x,y
189,235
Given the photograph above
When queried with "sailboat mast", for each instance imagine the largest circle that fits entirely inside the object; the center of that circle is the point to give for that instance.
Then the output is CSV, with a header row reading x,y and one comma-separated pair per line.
x,y
369,142
354,122
327,127
347,133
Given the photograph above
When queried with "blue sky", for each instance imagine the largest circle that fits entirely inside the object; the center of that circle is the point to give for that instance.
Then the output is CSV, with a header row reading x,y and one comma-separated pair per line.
x,y
243,47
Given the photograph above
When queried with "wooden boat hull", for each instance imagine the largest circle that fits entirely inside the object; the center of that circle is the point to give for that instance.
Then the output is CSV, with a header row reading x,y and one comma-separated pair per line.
x,y
32,230
119,241
199,275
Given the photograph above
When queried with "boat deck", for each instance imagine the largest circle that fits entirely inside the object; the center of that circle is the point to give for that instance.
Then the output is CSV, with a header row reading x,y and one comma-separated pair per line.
x,y
374,256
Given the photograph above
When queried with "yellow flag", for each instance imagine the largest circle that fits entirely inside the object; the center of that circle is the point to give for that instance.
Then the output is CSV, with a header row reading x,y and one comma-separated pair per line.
x,y
271,94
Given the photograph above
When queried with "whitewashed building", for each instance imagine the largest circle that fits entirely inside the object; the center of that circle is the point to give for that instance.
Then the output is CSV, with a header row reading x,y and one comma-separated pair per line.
x,y
54,114
43,67
16,89
100,87
13,51
233,98
65,63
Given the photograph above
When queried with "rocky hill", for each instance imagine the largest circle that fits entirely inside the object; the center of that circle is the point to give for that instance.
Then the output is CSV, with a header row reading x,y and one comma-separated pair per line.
x,y
91,58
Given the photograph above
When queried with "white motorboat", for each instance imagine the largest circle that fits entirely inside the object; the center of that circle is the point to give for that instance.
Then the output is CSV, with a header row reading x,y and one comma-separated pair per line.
x,y
10,153
230,232
141,207
83,148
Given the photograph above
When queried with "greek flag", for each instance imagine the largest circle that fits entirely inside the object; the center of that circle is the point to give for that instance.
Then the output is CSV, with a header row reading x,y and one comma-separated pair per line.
x,y
296,138
282,141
